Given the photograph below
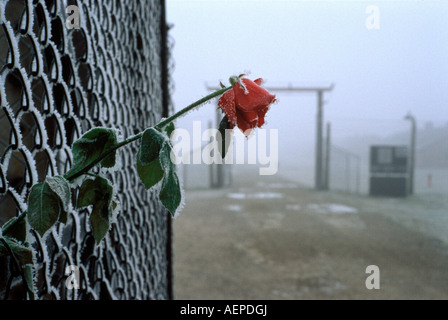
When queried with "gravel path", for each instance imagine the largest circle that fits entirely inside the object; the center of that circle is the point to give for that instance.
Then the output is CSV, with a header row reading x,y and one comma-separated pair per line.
x,y
269,238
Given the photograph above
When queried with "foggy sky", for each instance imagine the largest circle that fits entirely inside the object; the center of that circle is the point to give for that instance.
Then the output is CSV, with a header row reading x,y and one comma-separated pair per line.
x,y
379,75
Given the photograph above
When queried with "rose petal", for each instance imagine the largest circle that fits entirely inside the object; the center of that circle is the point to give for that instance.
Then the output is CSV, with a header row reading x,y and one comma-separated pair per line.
x,y
227,104
257,98
259,81
245,126
250,116
261,115
246,107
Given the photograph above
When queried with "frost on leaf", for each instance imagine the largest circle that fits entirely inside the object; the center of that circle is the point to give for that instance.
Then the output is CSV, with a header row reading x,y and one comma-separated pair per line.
x,y
99,194
44,207
16,228
154,165
23,254
91,146
61,187
152,141
170,193
169,129
149,174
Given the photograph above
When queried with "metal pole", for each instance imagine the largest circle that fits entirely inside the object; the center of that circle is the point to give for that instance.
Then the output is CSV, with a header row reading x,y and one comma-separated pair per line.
x,y
412,156
319,144
327,158
347,171
411,176
358,176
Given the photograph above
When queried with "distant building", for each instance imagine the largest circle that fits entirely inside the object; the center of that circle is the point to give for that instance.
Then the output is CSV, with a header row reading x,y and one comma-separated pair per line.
x,y
433,155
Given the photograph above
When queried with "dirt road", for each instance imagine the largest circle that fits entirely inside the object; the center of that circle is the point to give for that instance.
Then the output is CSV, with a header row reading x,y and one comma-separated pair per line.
x,y
268,238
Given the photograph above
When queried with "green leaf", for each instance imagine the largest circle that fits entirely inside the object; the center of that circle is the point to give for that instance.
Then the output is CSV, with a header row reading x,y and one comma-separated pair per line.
x,y
61,187
100,219
16,228
28,273
169,129
91,146
87,194
114,205
170,193
23,254
165,158
63,216
149,174
93,190
224,138
97,193
44,207
154,164
152,141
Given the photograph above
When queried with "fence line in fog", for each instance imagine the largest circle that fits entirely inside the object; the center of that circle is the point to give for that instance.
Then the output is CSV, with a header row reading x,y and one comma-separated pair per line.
x,y
350,172
345,170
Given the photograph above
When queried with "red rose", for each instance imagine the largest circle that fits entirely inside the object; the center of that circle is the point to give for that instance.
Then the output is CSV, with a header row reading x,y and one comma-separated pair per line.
x,y
246,107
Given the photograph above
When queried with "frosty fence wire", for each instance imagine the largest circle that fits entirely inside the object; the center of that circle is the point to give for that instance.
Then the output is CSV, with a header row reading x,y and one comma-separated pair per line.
x,y
55,84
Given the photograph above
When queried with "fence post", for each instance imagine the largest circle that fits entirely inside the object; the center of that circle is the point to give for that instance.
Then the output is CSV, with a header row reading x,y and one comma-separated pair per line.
x,y
327,158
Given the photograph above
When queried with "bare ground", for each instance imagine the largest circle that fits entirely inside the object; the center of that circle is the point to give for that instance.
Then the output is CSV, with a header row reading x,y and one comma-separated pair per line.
x,y
268,238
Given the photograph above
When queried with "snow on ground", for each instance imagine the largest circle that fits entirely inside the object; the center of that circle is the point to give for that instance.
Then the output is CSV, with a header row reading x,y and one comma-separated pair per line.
x,y
278,185
257,195
235,208
293,207
332,208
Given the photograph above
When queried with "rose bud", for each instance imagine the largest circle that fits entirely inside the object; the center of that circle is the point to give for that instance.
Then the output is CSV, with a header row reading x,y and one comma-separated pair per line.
x,y
245,105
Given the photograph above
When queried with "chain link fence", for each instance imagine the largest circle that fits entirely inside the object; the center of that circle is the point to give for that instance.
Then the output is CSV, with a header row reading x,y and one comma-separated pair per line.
x,y
55,84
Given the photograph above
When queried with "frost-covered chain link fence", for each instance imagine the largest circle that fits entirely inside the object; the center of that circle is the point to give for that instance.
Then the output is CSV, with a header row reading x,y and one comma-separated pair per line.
x,y
55,84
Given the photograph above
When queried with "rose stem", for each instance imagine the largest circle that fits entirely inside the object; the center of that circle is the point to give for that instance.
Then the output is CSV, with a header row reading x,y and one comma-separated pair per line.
x,y
138,136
